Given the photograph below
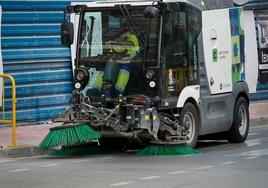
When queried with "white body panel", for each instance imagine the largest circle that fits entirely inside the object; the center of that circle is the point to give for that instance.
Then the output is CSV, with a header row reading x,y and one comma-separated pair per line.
x,y
217,36
189,92
251,53
74,18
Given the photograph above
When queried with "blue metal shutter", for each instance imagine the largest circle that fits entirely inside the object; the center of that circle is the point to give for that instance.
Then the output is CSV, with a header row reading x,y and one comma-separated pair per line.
x,y
257,5
33,55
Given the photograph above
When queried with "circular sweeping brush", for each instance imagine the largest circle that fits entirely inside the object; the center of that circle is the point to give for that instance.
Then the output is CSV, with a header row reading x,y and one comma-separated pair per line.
x,y
69,135
164,150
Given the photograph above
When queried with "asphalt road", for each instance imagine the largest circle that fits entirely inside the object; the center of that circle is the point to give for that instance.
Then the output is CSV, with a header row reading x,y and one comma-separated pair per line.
x,y
220,165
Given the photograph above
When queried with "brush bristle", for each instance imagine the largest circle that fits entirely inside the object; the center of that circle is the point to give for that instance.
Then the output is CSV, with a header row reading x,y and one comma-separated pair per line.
x,y
68,136
167,150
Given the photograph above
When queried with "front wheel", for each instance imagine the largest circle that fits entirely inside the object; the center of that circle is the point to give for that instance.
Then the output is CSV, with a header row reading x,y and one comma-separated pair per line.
x,y
189,119
239,130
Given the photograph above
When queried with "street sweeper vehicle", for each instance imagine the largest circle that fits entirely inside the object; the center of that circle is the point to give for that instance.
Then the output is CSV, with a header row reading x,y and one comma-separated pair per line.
x,y
162,72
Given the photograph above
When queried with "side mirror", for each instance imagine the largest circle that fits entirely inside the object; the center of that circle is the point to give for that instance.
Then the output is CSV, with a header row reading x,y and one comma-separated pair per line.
x,y
67,33
151,12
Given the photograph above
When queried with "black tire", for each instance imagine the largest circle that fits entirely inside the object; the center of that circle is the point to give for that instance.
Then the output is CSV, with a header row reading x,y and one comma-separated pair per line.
x,y
239,130
189,117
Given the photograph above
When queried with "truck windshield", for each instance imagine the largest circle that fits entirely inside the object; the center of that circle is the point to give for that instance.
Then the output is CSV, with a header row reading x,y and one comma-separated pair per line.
x,y
103,29
111,40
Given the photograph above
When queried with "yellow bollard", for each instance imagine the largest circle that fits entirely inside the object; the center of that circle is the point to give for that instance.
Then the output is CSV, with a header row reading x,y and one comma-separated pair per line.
x,y
13,121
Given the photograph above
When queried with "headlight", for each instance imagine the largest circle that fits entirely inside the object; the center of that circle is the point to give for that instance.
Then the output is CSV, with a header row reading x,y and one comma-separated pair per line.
x,y
77,85
80,76
149,74
152,84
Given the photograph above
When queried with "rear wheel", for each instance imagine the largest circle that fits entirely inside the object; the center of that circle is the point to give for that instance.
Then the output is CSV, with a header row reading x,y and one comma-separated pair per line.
x,y
189,119
239,130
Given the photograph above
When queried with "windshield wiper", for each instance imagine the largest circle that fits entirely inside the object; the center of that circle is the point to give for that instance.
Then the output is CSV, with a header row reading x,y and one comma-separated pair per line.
x,y
131,22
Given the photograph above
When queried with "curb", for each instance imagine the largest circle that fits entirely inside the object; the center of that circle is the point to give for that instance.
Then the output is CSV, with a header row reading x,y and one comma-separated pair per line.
x,y
21,151
259,121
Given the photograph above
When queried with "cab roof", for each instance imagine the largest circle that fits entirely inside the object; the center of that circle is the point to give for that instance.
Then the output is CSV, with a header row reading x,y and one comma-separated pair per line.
x,y
208,5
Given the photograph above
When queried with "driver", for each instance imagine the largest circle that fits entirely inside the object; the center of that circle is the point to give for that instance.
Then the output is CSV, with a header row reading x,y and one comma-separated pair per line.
x,y
121,52
117,70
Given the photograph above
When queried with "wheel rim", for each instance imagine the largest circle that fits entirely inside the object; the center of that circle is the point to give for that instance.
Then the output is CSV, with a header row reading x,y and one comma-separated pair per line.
x,y
189,122
243,120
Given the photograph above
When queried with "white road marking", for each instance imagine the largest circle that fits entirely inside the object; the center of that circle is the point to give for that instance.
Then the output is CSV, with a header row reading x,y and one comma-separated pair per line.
x,y
258,152
38,164
228,162
252,153
104,158
203,167
149,178
251,134
253,142
19,170
188,155
120,183
50,165
80,161
178,172
6,161
254,157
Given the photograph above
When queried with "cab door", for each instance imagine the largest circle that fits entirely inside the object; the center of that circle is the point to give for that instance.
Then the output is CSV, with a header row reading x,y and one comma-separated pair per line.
x,y
180,31
174,51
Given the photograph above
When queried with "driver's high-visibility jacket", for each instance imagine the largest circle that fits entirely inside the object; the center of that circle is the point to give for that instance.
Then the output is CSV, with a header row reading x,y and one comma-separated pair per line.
x,y
123,49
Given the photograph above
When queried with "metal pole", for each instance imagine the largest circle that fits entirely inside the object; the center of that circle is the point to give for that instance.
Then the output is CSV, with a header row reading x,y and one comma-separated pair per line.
x,y
3,98
14,135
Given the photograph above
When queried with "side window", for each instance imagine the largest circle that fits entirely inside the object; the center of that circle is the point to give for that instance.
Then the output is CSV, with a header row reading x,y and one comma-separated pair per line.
x,y
174,34
152,30
174,49
91,37
179,47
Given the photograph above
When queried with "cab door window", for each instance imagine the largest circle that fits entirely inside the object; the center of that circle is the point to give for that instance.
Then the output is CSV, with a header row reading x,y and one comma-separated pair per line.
x,y
180,33
175,51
